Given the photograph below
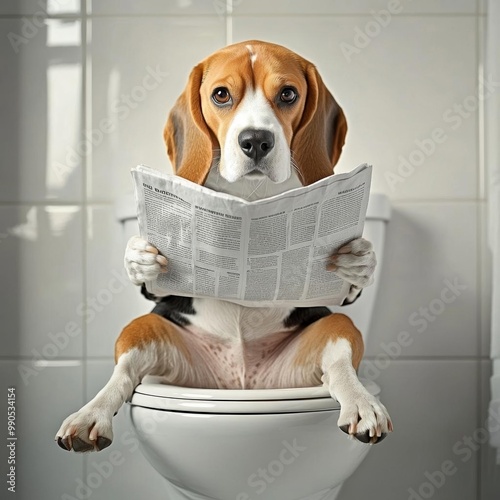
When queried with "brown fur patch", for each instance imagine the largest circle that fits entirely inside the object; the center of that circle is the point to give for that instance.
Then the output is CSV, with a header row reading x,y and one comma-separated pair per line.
x,y
146,330
315,127
314,338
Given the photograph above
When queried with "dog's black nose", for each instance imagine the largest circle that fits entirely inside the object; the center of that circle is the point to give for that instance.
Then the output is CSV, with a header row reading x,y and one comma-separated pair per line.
x,y
256,143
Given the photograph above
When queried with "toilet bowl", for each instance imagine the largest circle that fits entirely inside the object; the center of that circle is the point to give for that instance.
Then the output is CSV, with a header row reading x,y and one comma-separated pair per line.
x,y
270,444
242,444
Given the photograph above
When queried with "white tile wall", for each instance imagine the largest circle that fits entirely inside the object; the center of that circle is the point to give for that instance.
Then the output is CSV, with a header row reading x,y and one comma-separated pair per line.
x,y
131,477
490,478
39,8
366,7
440,409
43,400
157,7
41,250
485,263
395,95
116,300
430,248
40,141
121,77
61,248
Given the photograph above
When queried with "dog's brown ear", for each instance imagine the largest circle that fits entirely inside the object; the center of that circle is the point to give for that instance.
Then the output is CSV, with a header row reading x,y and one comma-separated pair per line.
x,y
187,136
318,140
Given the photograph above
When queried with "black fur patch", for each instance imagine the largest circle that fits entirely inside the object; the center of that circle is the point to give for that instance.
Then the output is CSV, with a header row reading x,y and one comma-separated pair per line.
x,y
346,303
171,307
304,316
175,308
148,295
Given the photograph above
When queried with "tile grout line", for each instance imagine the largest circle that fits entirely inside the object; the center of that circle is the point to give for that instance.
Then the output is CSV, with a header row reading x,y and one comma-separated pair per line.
x,y
84,166
481,132
51,203
480,59
229,22
76,16
478,266
352,14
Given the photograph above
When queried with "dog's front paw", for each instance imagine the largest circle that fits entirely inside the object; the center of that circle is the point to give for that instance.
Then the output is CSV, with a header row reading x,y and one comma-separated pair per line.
x,y
86,430
354,263
142,261
365,418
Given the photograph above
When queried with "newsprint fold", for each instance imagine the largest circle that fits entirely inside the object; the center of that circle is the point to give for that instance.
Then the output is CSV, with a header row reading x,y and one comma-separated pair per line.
x,y
270,252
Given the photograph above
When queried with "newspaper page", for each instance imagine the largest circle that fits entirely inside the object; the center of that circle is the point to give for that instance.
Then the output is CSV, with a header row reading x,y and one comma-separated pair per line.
x,y
266,253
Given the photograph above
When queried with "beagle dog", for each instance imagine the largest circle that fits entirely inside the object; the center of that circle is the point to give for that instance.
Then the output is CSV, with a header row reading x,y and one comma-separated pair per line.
x,y
254,120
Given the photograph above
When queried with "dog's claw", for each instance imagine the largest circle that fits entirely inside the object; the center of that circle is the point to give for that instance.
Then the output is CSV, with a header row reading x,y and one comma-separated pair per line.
x,y
363,437
381,438
102,442
80,445
344,428
63,443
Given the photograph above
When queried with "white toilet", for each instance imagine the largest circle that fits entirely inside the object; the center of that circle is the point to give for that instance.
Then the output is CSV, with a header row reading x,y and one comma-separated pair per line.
x,y
272,444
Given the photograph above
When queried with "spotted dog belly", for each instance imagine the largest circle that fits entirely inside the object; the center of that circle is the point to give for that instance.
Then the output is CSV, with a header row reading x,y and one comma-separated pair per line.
x,y
236,347
227,364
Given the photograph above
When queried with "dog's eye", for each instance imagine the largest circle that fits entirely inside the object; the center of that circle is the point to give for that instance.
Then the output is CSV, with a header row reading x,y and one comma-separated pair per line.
x,y
288,95
221,95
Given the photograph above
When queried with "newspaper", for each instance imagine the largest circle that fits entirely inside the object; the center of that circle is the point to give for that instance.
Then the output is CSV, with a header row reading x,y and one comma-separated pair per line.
x,y
270,252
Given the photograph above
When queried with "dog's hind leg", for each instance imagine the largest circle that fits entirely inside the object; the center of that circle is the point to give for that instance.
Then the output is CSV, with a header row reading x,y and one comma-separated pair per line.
x,y
149,345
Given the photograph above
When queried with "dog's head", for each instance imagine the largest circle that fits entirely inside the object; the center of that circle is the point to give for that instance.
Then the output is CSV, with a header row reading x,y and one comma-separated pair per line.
x,y
260,110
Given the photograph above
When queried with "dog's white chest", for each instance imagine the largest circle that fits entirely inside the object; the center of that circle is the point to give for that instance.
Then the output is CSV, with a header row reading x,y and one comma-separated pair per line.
x,y
239,347
234,323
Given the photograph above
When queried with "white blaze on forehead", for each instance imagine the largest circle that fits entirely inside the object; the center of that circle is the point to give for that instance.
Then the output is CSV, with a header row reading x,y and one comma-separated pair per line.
x,y
255,112
253,55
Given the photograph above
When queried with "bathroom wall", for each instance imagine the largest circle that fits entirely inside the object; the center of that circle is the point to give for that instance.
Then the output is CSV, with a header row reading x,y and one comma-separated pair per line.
x,y
85,92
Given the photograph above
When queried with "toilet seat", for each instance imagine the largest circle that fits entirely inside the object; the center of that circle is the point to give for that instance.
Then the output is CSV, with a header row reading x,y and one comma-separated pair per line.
x,y
237,401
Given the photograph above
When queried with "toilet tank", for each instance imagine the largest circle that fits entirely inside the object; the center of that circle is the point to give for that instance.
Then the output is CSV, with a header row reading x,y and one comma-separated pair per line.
x,y
377,217
126,213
